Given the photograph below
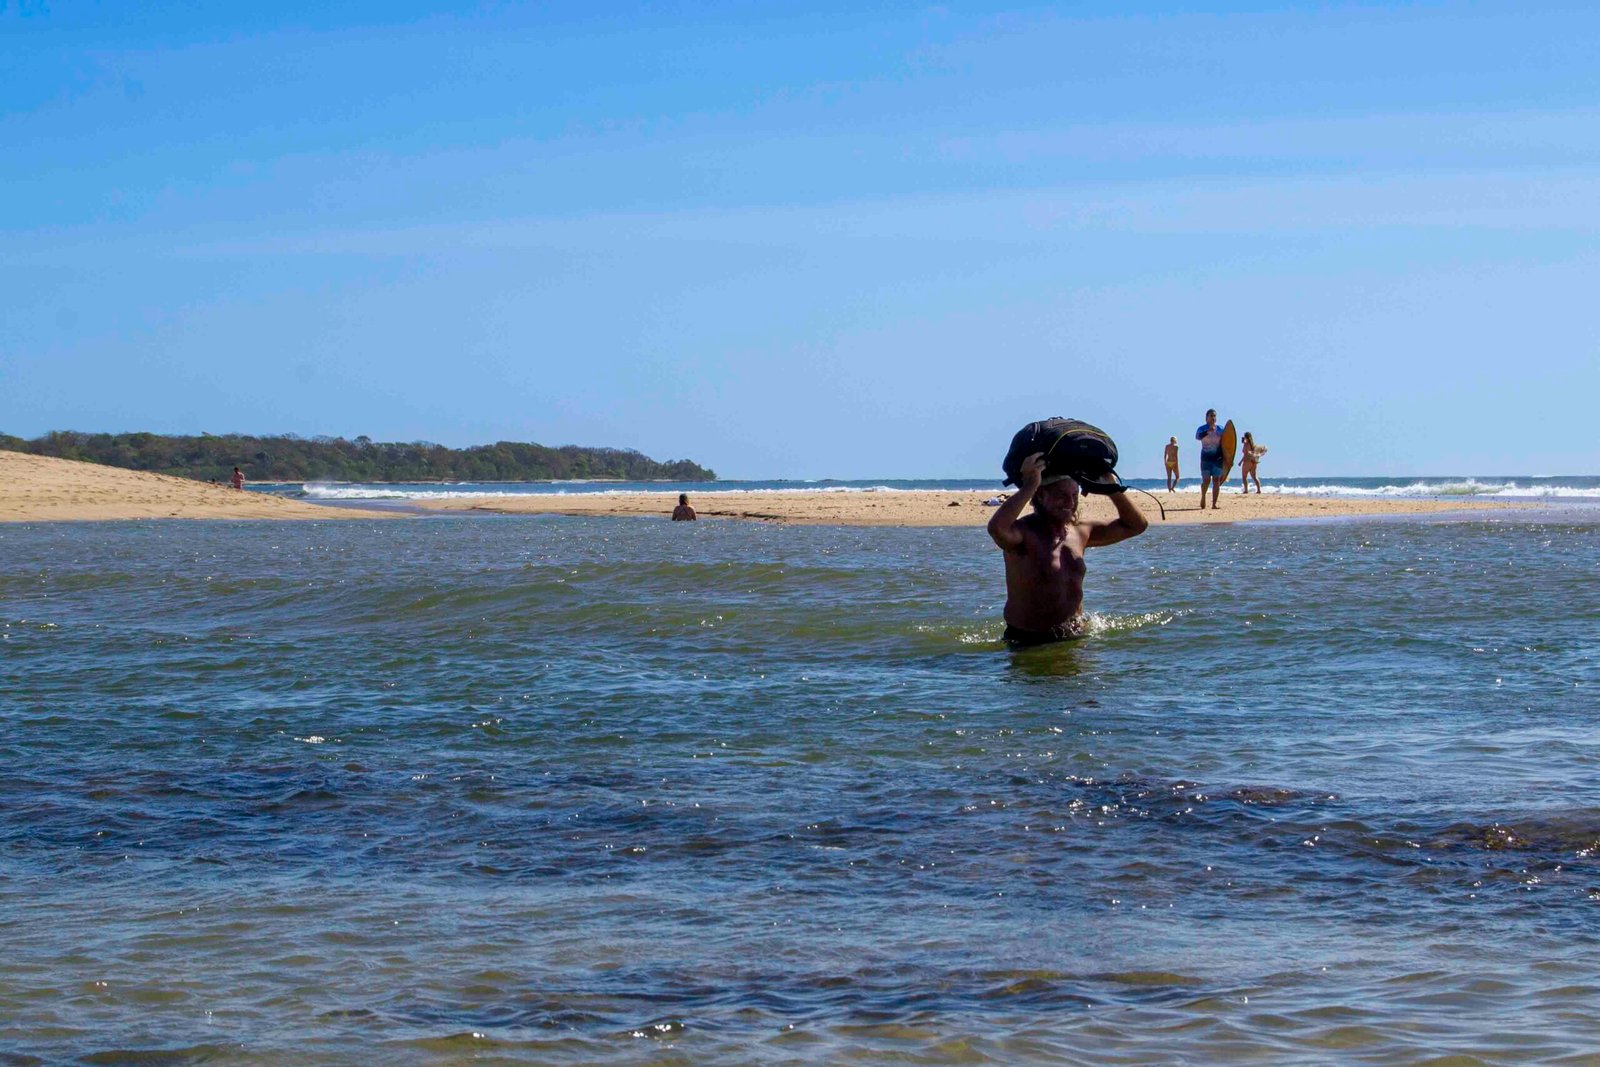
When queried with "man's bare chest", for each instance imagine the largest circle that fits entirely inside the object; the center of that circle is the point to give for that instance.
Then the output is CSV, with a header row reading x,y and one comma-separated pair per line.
x,y
1061,558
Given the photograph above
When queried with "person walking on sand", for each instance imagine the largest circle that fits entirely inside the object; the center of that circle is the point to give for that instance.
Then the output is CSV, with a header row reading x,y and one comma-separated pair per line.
x,y
238,478
1170,459
1210,437
1044,551
1249,456
683,512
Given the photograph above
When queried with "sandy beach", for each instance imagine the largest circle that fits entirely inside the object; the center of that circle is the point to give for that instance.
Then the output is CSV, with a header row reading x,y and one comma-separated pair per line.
x,y
39,488
44,489
937,508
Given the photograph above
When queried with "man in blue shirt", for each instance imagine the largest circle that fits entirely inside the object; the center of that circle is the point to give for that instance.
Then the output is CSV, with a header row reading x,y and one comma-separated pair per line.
x,y
1210,438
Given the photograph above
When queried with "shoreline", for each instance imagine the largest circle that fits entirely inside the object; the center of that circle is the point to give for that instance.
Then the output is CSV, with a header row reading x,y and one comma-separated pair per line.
x,y
933,507
45,489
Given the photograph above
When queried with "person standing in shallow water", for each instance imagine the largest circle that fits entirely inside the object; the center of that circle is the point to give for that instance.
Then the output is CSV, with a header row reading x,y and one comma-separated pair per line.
x,y
1044,552
683,512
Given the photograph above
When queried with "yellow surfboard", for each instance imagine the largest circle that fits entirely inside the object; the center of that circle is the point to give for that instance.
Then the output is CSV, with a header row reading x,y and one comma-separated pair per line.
x,y
1230,448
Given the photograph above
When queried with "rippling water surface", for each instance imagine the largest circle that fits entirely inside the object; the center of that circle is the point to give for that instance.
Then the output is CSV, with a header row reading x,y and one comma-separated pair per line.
x,y
531,790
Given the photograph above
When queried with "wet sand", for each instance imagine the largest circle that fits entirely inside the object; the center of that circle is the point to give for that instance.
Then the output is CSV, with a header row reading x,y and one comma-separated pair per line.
x,y
44,489
936,507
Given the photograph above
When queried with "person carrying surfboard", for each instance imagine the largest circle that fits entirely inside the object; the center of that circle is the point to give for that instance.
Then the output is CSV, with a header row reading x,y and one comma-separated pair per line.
x,y
1213,464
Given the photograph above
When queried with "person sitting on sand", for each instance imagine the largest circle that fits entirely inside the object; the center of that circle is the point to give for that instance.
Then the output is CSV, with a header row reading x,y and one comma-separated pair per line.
x,y
238,478
683,512
1210,438
1249,456
1171,461
1044,552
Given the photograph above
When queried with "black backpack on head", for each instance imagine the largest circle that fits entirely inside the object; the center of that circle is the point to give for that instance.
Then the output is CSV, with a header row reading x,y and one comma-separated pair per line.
x,y
1071,447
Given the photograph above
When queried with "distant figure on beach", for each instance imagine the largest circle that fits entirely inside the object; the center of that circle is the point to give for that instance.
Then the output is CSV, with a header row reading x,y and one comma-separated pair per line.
x,y
1210,438
1171,461
238,478
1044,551
1249,456
683,512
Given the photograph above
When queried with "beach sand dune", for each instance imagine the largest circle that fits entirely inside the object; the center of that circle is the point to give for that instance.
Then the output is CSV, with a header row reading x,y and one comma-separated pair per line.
x,y
934,507
42,489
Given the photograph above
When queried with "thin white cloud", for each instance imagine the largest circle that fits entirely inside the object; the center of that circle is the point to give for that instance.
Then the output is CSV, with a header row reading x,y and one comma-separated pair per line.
x,y
1406,139
1565,200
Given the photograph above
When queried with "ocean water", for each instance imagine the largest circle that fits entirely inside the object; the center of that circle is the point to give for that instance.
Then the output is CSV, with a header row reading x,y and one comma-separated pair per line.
x,y
571,791
1569,489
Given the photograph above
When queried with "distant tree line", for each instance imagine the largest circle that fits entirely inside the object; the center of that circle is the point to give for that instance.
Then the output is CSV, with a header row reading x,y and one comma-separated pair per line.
x,y
289,458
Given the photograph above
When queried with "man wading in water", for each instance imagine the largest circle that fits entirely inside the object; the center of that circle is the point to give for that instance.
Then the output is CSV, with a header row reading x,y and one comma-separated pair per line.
x,y
1044,550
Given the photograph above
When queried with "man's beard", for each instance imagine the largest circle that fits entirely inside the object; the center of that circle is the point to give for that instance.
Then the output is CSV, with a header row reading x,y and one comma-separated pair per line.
x,y
1066,514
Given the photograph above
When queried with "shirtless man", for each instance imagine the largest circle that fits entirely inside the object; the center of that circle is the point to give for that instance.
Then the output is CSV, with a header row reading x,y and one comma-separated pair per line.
x,y
237,481
683,512
1171,461
1044,552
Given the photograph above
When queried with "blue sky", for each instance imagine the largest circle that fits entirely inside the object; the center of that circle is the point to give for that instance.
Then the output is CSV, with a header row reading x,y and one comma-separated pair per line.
x,y
811,240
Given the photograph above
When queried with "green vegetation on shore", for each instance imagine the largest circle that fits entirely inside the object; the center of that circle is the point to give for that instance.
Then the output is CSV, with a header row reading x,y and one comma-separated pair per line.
x,y
287,458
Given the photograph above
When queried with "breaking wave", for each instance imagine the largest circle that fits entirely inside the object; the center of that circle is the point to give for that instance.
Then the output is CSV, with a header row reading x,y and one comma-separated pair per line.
x,y
324,491
1509,488
1460,487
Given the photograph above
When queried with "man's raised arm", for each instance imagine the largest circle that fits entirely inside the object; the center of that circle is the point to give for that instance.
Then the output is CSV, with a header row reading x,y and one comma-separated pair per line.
x,y
1003,523
1130,522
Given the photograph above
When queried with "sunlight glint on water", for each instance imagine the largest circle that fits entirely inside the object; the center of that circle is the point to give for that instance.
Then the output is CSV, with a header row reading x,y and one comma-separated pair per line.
x,y
566,791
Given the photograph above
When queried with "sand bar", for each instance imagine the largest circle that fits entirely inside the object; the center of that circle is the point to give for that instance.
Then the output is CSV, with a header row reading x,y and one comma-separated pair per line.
x,y
41,488
44,489
938,508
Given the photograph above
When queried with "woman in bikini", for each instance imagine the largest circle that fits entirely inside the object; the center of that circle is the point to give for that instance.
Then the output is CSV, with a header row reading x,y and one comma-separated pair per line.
x,y
1249,456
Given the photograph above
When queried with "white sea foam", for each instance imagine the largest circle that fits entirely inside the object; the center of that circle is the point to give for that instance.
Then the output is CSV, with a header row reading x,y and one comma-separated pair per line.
x,y
1466,487
323,491
1510,489
378,492
1105,623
